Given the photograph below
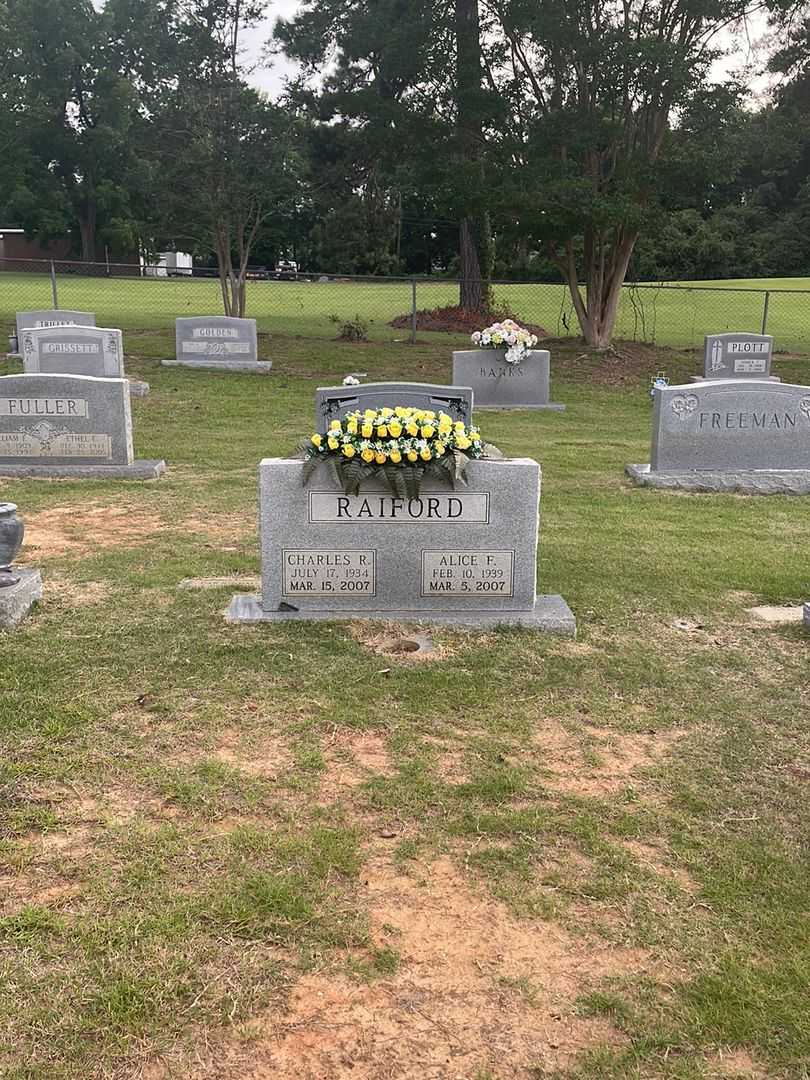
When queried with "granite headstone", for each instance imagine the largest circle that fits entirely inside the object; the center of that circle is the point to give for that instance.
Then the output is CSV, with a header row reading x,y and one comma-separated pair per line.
x,y
730,435
334,402
466,556
737,356
497,384
68,425
36,320
73,350
219,343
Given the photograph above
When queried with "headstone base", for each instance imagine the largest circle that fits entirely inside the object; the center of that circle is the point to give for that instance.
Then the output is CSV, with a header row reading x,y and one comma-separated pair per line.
x,y
550,614
498,408
17,600
742,481
138,388
256,367
750,378
138,470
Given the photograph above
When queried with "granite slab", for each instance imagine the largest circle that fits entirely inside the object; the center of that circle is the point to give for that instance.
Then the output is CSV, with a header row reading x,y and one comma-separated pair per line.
x,y
742,482
499,385
17,600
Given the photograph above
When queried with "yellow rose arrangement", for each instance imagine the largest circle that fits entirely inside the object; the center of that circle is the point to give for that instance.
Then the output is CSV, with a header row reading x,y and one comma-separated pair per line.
x,y
400,444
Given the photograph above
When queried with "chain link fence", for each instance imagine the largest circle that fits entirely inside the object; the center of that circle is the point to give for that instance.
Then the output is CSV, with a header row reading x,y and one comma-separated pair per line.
x,y
133,297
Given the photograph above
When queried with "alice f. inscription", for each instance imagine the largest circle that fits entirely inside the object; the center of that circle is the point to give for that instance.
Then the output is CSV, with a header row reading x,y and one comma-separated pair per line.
x,y
328,572
468,573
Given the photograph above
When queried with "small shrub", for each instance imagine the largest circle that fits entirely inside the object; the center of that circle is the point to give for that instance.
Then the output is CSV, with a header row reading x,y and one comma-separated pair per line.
x,y
355,329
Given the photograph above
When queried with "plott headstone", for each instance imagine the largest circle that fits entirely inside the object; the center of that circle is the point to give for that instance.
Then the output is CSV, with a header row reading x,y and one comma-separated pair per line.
x,y
737,356
77,350
499,385
466,556
219,343
730,435
335,402
68,425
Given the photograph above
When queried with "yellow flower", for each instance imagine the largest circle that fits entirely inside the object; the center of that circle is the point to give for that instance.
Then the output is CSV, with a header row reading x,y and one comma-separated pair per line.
x,y
395,456
412,429
367,455
439,449
400,411
333,443
348,450
367,431
386,413
335,425
380,458
382,431
395,429
428,431
351,427
428,414
445,425
462,442
426,455
459,425
369,414
316,440
412,455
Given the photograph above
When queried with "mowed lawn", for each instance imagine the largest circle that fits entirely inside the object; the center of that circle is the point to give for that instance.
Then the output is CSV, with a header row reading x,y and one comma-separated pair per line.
x,y
283,852
676,316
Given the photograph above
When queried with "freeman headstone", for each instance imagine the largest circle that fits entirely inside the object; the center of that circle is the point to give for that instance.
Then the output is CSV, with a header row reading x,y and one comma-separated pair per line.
x,y
466,556
334,402
737,356
730,435
68,425
219,343
499,385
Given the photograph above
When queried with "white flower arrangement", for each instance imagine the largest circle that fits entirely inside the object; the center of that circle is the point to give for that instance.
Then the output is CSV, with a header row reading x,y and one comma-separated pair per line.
x,y
506,335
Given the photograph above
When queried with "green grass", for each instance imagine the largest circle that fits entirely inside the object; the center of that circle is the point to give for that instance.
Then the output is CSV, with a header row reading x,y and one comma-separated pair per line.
x,y
179,851
677,317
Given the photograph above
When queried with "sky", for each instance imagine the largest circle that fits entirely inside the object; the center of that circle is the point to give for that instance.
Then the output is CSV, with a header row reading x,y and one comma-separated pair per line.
x,y
744,48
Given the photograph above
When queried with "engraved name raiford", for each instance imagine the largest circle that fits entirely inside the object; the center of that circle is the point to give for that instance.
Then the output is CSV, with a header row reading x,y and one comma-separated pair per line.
x,y
467,507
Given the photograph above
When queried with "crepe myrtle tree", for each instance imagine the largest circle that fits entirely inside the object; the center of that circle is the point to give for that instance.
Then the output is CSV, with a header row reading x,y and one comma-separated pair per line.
x,y
595,87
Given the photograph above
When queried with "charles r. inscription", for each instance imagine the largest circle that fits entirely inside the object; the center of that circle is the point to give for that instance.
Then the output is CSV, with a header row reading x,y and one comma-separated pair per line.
x,y
435,508
328,573
468,573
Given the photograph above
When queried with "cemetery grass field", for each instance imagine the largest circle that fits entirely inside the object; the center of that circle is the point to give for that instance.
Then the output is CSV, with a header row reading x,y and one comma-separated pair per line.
x,y
671,317
249,852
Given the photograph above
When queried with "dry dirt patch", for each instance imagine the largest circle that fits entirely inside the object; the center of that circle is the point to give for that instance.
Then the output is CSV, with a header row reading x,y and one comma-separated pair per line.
x,y
351,757
475,989
79,530
66,593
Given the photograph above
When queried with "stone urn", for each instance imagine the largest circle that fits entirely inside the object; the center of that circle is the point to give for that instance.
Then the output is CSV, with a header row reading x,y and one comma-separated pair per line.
x,y
11,538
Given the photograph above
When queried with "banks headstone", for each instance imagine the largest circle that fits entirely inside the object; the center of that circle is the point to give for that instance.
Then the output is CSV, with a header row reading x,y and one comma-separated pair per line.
x,y
730,435
465,556
335,402
54,425
737,356
499,385
218,342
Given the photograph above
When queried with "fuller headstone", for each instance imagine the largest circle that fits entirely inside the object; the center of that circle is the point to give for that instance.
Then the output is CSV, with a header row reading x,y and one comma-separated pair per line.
x,y
68,425
737,356
497,384
77,350
730,435
19,588
335,402
219,343
466,556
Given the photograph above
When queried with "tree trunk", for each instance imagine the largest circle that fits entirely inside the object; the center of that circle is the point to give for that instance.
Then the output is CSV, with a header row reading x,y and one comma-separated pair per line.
x,y
475,236
606,262
87,231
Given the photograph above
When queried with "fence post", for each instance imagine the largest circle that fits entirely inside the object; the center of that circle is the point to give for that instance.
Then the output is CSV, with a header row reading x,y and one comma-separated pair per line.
x,y
413,311
765,311
53,285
